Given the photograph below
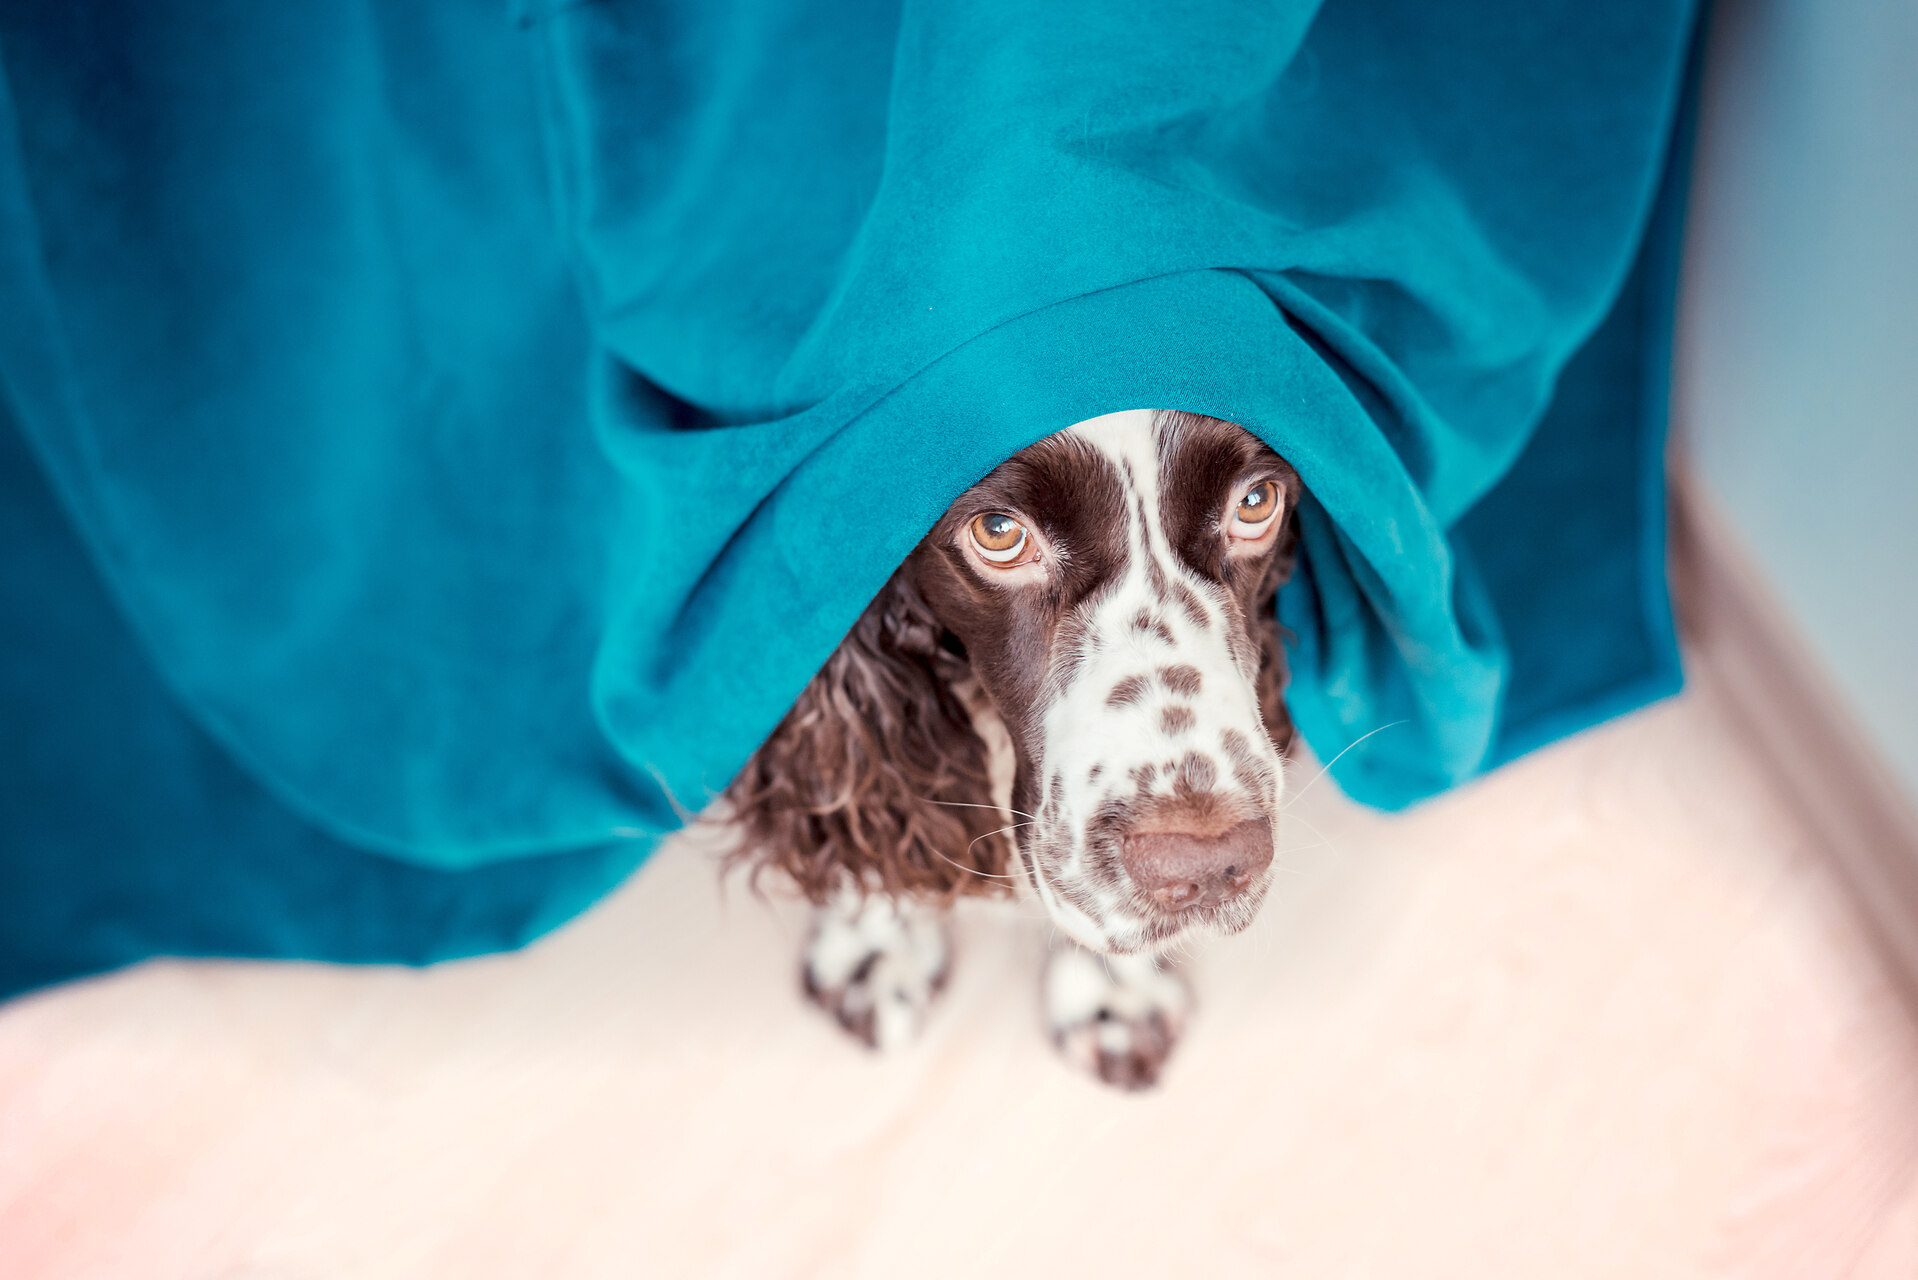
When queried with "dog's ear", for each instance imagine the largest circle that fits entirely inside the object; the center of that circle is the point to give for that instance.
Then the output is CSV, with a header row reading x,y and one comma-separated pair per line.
x,y
875,780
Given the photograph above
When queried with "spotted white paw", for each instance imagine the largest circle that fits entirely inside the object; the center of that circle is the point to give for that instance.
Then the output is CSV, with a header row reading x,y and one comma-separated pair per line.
x,y
1114,1017
875,965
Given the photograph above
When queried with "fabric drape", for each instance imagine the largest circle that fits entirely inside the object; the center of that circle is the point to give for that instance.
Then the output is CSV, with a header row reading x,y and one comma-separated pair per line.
x,y
442,439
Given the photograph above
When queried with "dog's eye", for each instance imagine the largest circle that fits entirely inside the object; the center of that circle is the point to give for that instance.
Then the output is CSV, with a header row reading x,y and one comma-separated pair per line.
x,y
1256,510
998,537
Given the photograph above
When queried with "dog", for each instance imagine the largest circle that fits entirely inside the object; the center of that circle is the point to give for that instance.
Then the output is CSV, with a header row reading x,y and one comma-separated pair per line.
x,y
1072,688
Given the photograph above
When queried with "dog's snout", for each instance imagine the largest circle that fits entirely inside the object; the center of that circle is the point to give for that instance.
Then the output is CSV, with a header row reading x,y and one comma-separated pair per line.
x,y
1184,868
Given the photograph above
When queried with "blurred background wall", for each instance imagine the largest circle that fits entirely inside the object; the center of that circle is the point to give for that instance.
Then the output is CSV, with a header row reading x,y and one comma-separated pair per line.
x,y
1797,383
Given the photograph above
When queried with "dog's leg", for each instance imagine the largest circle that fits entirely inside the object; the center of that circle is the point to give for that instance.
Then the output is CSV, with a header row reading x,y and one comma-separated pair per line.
x,y
1115,1017
875,963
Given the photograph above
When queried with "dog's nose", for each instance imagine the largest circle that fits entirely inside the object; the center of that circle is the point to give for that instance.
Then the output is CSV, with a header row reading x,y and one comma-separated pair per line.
x,y
1179,870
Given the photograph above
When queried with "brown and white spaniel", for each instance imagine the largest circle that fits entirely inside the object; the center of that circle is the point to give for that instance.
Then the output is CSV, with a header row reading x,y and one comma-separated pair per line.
x,y
1080,666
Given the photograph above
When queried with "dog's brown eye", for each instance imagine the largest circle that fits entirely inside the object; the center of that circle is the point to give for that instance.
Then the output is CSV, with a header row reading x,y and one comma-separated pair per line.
x,y
998,537
1256,509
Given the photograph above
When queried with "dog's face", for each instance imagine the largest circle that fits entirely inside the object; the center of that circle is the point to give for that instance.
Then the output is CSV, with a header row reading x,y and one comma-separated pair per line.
x,y
1112,587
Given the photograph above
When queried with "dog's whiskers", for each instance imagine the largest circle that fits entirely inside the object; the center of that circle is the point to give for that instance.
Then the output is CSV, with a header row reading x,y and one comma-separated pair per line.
x,y
1001,831
960,804
1327,766
984,875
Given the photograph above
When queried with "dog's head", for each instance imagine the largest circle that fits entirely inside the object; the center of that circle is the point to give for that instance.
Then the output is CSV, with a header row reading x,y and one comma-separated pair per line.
x,y
1109,591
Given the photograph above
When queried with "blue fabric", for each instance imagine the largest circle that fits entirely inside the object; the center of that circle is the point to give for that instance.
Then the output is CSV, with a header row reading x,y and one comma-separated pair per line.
x,y
441,441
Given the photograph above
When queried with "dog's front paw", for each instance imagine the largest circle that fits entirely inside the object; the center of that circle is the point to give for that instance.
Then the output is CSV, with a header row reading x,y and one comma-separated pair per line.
x,y
1115,1017
875,965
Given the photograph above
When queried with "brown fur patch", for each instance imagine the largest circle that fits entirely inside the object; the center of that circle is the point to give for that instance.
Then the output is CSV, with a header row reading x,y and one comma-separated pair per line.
x,y
1250,772
1127,691
1188,600
1176,720
1199,813
1182,679
1145,624
1194,773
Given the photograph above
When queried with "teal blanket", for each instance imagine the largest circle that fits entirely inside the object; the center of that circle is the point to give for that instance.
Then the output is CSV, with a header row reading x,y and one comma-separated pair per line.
x,y
440,440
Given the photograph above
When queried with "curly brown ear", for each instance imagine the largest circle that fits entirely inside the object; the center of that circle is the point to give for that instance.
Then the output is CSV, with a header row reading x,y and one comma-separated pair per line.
x,y
875,779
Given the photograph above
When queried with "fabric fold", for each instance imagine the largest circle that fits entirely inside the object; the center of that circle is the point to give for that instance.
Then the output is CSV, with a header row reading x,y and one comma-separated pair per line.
x,y
484,423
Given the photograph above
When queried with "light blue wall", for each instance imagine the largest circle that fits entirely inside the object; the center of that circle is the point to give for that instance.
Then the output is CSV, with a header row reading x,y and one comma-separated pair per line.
x,y
1797,381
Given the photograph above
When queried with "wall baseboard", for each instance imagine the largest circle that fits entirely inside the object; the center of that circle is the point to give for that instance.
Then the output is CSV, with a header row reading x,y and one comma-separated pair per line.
x,y
1740,641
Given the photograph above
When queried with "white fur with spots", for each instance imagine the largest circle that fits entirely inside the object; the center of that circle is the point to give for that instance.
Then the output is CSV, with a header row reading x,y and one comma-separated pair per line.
x,y
1091,751
1112,1004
